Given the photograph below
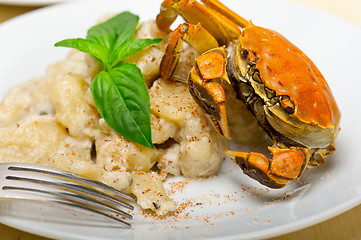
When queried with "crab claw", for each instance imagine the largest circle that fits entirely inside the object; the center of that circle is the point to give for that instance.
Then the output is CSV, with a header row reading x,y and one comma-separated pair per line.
x,y
209,95
211,98
285,165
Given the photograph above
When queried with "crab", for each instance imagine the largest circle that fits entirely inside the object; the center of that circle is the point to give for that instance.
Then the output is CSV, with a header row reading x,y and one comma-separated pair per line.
x,y
278,83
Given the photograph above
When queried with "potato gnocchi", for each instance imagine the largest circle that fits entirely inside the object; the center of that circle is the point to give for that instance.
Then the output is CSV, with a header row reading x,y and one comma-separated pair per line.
x,y
52,120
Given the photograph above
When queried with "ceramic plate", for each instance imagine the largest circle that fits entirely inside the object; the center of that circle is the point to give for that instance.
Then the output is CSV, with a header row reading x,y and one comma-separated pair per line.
x,y
229,205
33,2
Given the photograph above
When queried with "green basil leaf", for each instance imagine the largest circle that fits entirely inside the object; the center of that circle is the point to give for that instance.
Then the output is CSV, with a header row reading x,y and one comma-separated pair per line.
x,y
119,91
122,99
129,48
96,50
115,31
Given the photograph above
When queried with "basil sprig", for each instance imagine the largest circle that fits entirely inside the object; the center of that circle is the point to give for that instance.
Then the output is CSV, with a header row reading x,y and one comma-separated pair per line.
x,y
119,91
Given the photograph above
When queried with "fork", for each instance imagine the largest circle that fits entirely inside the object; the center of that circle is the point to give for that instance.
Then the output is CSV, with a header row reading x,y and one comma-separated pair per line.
x,y
24,181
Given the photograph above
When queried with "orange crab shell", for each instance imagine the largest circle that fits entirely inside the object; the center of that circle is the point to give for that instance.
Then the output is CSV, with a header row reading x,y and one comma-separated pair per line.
x,y
288,71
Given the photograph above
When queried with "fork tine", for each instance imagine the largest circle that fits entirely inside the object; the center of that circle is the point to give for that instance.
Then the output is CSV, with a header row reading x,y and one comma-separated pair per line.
x,y
76,188
78,201
39,183
127,225
66,175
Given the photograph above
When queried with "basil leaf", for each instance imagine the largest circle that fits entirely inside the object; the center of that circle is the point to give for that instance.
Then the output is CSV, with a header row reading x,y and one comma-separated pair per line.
x,y
119,91
129,48
96,50
122,99
115,31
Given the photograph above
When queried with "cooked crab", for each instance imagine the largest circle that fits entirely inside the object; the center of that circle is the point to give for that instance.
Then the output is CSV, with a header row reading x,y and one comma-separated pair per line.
x,y
278,83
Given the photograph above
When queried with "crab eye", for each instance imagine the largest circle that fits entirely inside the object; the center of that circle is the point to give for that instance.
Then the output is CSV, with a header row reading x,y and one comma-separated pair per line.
x,y
245,53
287,104
249,56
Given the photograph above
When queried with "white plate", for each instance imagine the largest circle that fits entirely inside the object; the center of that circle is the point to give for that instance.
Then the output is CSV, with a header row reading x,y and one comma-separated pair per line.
x,y
26,47
33,2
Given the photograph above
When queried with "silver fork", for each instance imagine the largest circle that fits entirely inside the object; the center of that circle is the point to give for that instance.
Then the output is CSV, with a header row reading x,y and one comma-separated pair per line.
x,y
39,183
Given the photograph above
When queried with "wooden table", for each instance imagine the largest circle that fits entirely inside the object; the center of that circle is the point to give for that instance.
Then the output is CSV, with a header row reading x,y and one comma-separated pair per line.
x,y
345,226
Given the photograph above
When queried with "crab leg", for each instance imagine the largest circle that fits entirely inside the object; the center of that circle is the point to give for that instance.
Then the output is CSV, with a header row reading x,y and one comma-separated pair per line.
x,y
209,95
211,65
195,35
167,15
221,28
285,165
225,11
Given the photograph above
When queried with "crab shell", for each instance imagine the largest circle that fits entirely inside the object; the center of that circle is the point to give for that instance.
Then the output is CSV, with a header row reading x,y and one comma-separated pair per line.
x,y
297,105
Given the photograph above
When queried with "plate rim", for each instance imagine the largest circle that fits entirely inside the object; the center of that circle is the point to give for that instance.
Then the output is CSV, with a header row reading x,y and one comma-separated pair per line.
x,y
304,222
34,3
